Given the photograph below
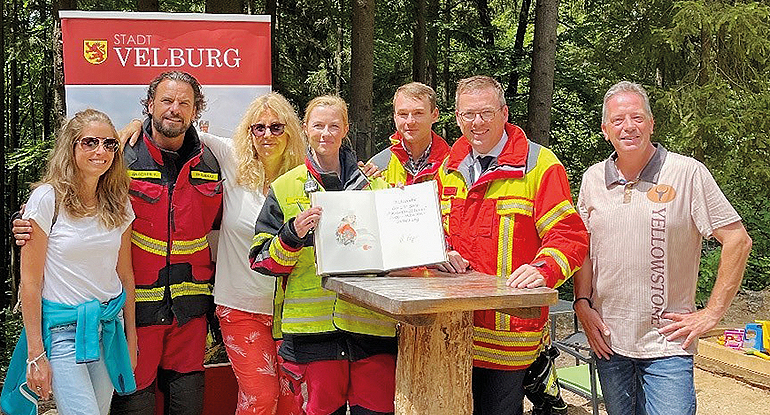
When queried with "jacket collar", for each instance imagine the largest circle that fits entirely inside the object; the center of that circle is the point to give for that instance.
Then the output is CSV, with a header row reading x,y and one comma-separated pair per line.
x,y
350,179
438,148
511,163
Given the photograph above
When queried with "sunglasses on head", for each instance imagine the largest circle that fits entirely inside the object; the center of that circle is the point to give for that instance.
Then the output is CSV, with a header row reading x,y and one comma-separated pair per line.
x,y
91,143
259,129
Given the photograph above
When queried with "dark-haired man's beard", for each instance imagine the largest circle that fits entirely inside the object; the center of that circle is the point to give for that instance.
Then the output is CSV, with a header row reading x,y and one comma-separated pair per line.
x,y
169,129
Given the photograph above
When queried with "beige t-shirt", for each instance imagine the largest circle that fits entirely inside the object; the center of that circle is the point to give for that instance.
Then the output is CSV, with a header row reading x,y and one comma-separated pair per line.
x,y
645,246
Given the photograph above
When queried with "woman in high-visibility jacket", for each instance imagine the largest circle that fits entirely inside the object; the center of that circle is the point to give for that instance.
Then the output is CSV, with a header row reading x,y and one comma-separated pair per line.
x,y
345,353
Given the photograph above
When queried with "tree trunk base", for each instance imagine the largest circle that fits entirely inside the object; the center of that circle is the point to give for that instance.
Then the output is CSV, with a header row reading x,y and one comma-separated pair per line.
x,y
433,373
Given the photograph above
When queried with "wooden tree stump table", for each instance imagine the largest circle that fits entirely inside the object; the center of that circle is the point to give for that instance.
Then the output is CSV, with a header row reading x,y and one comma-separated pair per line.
x,y
435,346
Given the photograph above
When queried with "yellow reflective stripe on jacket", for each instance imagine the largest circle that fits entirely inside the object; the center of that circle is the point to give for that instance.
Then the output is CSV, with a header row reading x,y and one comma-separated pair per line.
x,y
502,321
309,300
531,342
505,246
190,288
260,238
158,247
281,255
151,245
184,288
182,247
149,294
505,357
506,338
511,206
311,314
560,259
557,213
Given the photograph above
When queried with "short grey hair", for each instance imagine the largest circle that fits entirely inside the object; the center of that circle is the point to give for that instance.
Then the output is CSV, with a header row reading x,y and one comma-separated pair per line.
x,y
626,86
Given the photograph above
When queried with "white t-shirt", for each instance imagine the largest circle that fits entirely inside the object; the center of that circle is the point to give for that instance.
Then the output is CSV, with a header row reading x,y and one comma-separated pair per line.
x,y
236,284
82,255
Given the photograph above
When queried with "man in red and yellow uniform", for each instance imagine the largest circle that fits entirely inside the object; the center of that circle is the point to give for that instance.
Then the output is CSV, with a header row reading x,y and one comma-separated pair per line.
x,y
416,152
176,193
507,211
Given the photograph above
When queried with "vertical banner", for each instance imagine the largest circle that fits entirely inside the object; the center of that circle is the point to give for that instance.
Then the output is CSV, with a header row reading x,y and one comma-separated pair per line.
x,y
111,57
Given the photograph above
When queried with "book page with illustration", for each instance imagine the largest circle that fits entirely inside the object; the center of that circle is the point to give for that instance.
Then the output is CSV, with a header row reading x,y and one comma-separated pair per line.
x,y
347,237
375,231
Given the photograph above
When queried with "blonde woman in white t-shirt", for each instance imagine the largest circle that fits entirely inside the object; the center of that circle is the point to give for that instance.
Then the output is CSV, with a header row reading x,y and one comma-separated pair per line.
x,y
267,143
77,288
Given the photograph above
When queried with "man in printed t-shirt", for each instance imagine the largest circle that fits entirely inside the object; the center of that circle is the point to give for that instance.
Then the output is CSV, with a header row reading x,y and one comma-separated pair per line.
x,y
635,293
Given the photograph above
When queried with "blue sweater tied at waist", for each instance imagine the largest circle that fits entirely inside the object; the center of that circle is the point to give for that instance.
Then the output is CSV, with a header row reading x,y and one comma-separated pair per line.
x,y
17,398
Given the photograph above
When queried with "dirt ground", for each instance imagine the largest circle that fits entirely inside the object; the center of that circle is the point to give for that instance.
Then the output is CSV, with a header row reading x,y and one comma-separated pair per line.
x,y
716,394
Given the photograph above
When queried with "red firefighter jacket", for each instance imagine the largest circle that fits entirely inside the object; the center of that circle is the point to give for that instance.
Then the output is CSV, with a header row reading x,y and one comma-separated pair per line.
x,y
391,160
176,203
518,212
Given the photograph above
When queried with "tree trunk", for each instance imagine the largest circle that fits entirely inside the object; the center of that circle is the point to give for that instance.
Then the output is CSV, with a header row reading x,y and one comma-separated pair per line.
x,y
447,53
432,43
46,76
518,49
59,98
147,5
13,175
419,66
338,61
361,76
271,8
542,74
450,336
224,6
488,31
7,244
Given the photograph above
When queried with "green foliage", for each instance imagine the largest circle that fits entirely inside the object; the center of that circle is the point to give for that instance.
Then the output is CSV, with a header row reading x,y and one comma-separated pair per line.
x,y
709,264
11,325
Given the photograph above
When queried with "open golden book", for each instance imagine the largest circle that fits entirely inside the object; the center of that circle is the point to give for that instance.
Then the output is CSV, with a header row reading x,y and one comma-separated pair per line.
x,y
364,232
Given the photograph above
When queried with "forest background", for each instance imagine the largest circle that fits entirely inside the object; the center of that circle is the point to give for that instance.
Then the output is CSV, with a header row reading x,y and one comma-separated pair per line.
x,y
705,63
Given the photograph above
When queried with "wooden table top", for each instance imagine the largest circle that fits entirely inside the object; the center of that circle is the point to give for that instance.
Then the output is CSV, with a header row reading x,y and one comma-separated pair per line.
x,y
430,291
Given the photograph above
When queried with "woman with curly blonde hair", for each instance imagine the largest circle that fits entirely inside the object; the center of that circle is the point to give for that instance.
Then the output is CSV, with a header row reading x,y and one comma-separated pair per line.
x,y
267,143
77,284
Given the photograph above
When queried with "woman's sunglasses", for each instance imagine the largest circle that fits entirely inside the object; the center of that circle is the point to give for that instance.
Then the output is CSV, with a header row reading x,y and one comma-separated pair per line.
x,y
259,129
91,143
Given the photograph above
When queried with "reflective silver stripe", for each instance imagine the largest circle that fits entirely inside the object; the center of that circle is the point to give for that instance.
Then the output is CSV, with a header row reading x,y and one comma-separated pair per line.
x,y
506,336
374,322
290,320
532,155
505,246
525,356
309,300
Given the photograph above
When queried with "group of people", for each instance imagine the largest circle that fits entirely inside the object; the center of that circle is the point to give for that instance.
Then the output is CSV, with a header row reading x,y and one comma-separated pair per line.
x,y
133,318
